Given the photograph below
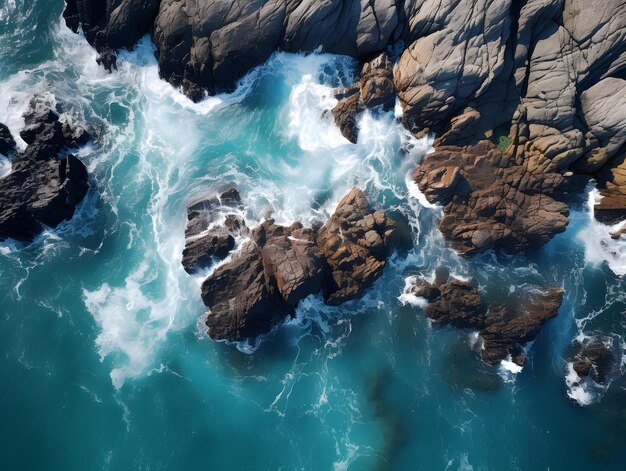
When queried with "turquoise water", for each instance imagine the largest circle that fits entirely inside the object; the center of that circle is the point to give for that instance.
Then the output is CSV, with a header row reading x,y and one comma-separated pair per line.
x,y
103,358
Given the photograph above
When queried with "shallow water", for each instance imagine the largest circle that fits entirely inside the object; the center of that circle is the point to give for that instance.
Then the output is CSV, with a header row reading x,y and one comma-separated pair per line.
x,y
104,359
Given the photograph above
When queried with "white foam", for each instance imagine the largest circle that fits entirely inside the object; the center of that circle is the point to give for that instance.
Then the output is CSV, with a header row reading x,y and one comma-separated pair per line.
x,y
578,389
596,237
509,365
408,298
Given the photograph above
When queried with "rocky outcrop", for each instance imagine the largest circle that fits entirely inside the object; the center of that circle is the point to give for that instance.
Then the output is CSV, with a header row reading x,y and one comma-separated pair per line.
x,y
355,241
545,75
276,267
7,143
504,328
213,224
45,183
374,89
509,327
494,199
593,360
264,282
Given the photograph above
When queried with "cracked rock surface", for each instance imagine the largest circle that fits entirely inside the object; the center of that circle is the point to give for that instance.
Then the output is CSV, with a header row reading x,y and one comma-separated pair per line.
x,y
278,266
45,183
547,75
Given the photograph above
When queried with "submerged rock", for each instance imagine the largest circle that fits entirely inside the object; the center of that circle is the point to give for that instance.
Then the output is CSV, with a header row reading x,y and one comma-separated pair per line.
x,y
279,266
44,185
509,327
504,329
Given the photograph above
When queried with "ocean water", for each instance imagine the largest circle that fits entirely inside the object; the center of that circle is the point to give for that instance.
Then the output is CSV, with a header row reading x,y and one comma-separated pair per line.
x,y
104,361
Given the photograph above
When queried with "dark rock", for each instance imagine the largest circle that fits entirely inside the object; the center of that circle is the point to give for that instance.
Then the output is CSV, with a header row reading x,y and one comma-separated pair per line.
x,y
263,283
509,328
504,329
280,266
107,58
7,143
594,360
356,241
458,305
43,187
212,226
345,113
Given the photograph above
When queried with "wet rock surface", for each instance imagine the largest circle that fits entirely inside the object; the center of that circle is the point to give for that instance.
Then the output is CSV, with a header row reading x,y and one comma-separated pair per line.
x,y
45,183
504,328
7,143
493,199
374,89
356,242
593,360
212,227
278,266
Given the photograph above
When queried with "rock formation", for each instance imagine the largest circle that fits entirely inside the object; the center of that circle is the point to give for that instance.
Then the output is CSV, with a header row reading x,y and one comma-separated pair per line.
x,y
503,328
545,76
355,241
7,143
45,183
374,89
276,267
593,360
212,226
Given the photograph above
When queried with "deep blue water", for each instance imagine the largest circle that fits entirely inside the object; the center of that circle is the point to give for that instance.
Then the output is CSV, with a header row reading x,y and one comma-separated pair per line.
x,y
103,358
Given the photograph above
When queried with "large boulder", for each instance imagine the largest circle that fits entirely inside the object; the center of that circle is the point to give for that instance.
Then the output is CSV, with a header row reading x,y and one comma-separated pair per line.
x,y
494,199
264,281
356,241
44,185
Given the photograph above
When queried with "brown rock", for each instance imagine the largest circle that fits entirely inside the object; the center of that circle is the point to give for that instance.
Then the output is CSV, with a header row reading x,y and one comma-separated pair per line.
x,y
355,242
505,329
345,112
376,83
509,328
494,199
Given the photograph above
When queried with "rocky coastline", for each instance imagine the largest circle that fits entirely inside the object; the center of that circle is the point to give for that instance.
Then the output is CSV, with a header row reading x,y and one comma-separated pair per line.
x,y
541,80
526,101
